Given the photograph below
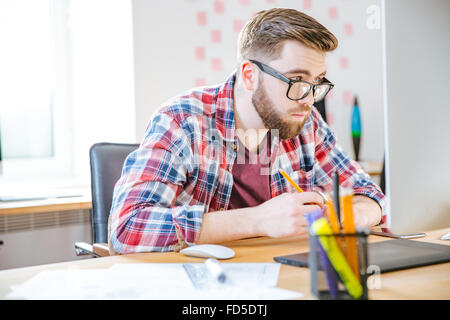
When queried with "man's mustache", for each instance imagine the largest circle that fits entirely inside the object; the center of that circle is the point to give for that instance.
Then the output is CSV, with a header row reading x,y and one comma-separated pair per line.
x,y
304,109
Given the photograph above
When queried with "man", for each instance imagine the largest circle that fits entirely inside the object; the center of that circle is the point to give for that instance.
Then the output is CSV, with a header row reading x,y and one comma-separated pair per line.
x,y
194,179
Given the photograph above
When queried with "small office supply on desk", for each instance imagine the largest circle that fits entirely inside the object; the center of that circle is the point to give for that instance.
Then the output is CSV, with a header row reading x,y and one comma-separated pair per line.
x,y
216,270
445,236
337,254
328,269
206,274
213,274
336,196
350,285
351,249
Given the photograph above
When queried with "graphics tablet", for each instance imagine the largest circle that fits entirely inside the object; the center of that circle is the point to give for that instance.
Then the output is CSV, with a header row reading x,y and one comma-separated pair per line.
x,y
390,255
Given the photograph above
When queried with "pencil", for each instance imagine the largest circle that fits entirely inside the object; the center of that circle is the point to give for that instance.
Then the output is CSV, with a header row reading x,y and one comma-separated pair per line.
x,y
290,180
337,204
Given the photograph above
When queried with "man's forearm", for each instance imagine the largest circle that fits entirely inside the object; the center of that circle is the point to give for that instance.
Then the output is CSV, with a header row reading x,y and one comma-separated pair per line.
x,y
222,226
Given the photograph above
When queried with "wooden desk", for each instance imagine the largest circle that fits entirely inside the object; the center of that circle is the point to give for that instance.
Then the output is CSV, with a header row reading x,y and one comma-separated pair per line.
x,y
431,282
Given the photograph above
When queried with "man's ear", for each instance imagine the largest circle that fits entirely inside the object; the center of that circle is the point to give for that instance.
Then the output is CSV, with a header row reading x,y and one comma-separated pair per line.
x,y
249,75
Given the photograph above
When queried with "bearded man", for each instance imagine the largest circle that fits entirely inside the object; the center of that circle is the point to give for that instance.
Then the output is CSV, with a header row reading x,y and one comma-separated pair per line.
x,y
208,169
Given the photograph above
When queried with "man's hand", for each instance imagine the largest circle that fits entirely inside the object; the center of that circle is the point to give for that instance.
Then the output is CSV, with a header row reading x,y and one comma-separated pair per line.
x,y
281,216
284,215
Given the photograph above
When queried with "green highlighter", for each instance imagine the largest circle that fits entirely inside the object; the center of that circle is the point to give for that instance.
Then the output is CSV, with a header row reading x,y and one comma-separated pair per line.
x,y
337,259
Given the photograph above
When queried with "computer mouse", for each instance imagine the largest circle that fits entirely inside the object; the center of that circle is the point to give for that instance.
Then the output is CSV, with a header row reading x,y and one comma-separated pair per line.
x,y
208,251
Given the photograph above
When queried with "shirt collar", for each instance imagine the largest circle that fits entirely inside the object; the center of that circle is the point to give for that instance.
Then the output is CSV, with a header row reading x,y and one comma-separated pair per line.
x,y
224,109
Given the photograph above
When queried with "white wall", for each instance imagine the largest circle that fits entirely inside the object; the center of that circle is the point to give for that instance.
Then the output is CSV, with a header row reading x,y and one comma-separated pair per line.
x,y
169,37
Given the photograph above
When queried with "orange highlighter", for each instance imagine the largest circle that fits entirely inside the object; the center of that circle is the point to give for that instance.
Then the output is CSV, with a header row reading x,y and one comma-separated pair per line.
x,y
351,251
335,226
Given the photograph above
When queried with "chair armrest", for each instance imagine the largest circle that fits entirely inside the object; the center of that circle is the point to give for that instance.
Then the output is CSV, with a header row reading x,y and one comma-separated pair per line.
x,y
83,248
97,249
101,249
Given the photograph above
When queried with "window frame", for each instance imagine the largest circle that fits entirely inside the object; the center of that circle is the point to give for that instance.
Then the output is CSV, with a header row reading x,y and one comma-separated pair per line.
x,y
58,166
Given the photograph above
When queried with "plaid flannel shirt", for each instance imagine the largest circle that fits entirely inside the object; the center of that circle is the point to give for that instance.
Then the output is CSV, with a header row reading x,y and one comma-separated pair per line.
x,y
183,166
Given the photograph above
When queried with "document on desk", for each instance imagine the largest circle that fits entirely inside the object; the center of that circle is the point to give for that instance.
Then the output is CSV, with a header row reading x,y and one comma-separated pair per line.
x,y
152,281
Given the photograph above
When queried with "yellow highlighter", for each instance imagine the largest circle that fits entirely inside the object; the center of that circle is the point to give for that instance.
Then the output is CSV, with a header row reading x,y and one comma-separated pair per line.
x,y
292,182
337,259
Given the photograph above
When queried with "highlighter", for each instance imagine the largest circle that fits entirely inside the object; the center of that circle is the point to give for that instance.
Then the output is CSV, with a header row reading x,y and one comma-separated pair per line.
x,y
349,227
334,221
328,268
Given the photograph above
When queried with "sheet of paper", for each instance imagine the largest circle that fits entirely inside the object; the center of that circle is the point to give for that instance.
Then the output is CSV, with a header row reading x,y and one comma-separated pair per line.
x,y
153,281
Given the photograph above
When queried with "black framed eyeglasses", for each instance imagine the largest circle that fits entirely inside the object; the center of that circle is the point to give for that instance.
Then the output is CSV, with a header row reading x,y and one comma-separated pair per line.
x,y
298,89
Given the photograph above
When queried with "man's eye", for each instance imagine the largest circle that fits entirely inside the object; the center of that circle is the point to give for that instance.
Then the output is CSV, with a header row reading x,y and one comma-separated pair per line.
x,y
296,78
319,81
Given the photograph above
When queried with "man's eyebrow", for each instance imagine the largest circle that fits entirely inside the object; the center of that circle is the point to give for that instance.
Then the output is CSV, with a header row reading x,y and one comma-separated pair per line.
x,y
304,71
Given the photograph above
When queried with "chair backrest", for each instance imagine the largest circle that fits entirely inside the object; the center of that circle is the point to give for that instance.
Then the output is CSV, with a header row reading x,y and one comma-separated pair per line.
x,y
106,160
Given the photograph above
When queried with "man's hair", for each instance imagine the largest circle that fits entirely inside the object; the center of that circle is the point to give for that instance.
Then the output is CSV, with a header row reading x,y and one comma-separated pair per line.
x,y
265,33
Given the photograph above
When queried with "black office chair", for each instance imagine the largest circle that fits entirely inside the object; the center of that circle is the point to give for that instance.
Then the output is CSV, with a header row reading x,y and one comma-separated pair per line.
x,y
383,177
106,160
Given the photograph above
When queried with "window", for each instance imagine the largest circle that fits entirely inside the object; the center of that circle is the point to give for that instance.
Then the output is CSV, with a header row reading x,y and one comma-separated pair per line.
x,y
67,82
34,104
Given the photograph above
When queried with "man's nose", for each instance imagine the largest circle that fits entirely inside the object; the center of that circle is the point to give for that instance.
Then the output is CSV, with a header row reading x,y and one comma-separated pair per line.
x,y
308,100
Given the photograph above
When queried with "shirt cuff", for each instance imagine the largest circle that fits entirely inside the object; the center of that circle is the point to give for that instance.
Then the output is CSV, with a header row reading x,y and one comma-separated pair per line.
x,y
188,222
380,199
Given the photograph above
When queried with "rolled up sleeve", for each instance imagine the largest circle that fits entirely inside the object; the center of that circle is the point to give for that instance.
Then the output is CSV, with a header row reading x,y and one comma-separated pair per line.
x,y
330,157
150,208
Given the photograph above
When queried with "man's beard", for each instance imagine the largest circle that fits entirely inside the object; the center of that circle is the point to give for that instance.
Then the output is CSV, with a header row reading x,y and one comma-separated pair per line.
x,y
272,119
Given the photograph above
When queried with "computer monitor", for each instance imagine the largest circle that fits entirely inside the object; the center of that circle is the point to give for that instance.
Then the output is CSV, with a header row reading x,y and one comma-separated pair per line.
x,y
416,73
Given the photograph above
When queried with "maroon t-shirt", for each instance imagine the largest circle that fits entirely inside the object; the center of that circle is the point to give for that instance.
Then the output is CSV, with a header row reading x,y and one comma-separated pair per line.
x,y
251,178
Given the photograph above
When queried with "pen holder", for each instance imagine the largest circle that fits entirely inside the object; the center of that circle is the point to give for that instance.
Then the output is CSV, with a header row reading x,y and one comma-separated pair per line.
x,y
338,265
